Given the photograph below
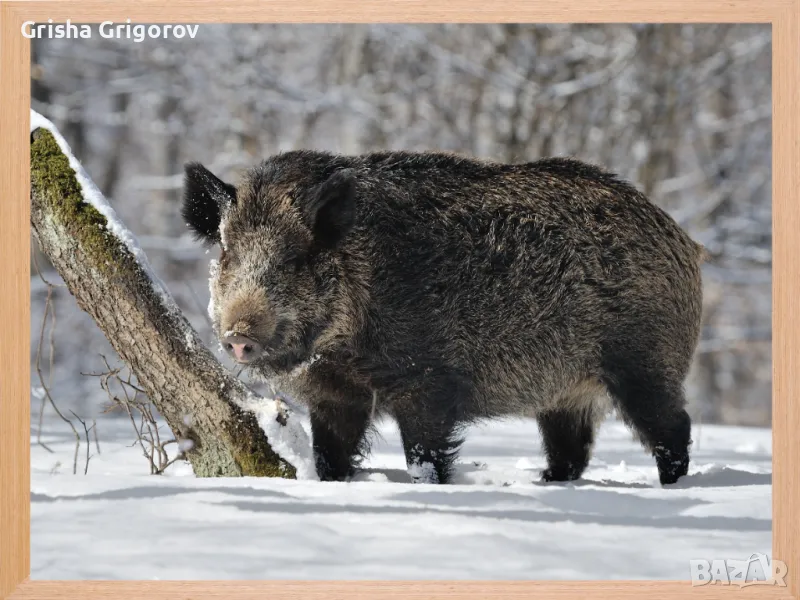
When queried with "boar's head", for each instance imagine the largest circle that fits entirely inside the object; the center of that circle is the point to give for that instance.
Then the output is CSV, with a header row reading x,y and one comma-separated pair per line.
x,y
276,287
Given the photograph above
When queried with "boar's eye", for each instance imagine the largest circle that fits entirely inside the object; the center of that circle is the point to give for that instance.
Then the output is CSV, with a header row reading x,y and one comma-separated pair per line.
x,y
294,260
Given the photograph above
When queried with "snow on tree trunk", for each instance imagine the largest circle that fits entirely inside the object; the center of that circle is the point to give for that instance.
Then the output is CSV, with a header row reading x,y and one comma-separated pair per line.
x,y
111,280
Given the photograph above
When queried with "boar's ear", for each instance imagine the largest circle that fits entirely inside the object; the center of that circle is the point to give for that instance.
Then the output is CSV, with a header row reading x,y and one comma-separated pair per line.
x,y
331,210
205,198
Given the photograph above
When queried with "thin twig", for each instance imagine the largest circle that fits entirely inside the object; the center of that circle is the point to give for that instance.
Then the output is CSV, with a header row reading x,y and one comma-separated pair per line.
x,y
48,309
96,439
45,385
141,415
88,443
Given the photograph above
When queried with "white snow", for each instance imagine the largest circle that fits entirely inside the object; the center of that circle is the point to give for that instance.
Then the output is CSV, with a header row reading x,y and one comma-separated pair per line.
x,y
290,441
422,471
496,521
213,271
223,240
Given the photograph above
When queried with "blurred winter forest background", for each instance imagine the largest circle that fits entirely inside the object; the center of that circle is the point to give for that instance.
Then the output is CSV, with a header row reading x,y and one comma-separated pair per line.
x,y
683,111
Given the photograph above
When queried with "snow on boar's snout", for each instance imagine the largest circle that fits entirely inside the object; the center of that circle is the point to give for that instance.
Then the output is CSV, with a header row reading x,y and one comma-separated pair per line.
x,y
440,290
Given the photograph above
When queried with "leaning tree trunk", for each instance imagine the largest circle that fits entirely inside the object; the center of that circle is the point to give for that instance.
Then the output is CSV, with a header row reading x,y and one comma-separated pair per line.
x,y
181,377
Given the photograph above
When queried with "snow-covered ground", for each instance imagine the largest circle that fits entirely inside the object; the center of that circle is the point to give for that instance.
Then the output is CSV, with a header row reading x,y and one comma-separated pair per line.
x,y
497,521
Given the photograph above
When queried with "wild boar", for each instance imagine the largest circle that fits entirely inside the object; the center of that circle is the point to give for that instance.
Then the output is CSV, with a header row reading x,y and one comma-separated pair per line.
x,y
441,290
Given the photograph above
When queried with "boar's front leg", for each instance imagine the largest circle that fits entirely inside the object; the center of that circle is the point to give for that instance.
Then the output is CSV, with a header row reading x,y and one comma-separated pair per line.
x,y
429,420
339,422
567,436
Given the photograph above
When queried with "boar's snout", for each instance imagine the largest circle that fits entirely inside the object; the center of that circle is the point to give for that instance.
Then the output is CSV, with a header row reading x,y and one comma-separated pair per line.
x,y
242,348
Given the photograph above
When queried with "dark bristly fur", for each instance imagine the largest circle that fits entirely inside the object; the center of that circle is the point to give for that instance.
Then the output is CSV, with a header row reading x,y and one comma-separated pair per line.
x,y
440,290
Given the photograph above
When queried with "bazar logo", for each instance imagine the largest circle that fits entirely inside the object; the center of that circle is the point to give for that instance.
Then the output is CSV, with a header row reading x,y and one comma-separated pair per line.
x,y
755,570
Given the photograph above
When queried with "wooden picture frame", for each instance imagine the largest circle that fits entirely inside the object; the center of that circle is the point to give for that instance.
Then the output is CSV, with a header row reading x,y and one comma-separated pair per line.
x,y
784,16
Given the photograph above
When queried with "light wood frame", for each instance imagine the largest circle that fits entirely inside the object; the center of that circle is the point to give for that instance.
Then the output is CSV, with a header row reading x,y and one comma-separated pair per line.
x,y
784,15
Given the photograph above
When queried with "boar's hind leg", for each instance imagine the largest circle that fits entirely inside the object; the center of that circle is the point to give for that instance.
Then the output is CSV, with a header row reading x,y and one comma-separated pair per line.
x,y
338,431
652,403
568,436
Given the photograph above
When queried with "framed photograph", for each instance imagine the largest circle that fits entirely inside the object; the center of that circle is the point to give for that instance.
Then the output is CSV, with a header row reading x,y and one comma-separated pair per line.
x,y
443,299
